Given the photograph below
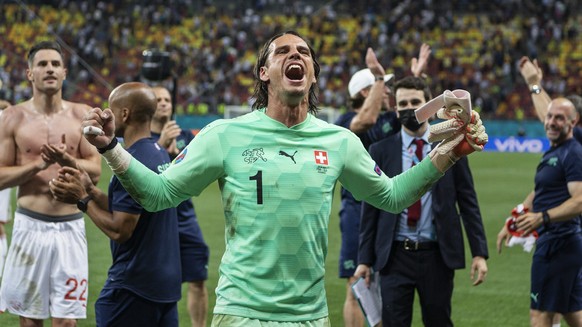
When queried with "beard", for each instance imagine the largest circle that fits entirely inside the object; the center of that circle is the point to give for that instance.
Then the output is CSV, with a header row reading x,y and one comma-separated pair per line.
x,y
559,135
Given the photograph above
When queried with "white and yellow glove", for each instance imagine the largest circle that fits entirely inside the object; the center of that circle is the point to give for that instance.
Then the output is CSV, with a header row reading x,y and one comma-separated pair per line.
x,y
460,134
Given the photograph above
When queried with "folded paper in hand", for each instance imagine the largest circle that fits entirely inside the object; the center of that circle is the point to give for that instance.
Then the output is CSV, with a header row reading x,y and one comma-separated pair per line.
x,y
369,298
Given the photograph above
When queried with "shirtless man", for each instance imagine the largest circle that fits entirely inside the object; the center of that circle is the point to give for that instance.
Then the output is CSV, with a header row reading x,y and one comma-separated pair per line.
x,y
47,267
5,210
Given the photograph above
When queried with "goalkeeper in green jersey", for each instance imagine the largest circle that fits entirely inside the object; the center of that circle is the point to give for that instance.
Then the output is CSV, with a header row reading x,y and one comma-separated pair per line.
x,y
277,168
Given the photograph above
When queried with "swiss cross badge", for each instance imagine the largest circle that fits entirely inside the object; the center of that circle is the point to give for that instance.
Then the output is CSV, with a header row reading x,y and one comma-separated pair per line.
x,y
320,157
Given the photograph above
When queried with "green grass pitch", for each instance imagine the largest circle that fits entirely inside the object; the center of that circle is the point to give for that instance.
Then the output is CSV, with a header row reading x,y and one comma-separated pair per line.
x,y
502,181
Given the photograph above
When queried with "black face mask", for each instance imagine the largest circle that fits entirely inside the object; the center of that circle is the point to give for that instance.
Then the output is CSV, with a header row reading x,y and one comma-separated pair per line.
x,y
408,119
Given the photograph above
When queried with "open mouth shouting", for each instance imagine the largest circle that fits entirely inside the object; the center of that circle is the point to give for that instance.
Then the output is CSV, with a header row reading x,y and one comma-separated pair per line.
x,y
295,72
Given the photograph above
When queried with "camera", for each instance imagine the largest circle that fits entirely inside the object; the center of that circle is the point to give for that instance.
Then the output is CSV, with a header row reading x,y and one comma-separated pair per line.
x,y
157,65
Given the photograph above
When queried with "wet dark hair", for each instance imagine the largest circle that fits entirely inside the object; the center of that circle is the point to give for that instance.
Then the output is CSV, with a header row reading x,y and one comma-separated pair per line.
x,y
412,82
44,45
261,93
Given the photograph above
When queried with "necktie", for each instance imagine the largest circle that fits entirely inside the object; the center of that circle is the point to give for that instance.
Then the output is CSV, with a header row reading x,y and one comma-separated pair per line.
x,y
414,209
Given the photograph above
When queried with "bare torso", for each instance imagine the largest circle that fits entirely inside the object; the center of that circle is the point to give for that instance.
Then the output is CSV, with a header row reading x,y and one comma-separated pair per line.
x,y
30,130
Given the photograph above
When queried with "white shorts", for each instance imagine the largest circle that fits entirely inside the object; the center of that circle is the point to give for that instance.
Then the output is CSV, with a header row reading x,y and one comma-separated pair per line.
x,y
47,268
5,215
3,252
5,211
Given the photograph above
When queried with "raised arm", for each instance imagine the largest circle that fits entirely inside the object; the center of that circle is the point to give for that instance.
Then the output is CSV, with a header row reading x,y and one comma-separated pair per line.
x,y
373,186
418,65
368,114
532,74
189,177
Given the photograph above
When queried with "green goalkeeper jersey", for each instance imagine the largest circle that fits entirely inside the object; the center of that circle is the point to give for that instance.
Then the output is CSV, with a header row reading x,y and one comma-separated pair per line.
x,y
277,185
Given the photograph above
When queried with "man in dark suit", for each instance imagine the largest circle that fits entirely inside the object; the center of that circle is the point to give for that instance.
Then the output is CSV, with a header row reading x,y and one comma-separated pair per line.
x,y
421,247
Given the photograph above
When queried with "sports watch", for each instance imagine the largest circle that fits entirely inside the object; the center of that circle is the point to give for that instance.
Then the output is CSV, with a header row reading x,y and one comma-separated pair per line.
x,y
536,89
83,203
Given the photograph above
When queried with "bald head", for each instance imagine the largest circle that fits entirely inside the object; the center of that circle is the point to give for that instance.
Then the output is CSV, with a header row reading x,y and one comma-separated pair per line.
x,y
136,97
566,105
560,120
577,101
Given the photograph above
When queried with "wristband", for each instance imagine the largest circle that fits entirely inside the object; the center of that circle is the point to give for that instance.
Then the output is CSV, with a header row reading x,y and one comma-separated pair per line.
x,y
118,159
82,204
442,161
379,78
108,147
546,219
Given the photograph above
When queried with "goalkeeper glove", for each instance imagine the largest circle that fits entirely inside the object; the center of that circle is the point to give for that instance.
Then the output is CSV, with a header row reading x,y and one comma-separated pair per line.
x,y
460,134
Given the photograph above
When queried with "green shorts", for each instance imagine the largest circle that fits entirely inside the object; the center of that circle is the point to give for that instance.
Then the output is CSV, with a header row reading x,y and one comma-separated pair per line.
x,y
235,321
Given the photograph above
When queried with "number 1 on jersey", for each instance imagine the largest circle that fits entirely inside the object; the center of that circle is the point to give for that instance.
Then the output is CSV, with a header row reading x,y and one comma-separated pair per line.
x,y
259,178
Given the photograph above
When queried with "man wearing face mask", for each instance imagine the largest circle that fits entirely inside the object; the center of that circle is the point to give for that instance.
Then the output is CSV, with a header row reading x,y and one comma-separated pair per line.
x,y
371,121
420,248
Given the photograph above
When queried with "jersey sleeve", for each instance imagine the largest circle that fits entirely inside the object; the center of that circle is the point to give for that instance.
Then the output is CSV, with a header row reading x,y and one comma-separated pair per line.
x,y
198,165
572,168
364,179
121,200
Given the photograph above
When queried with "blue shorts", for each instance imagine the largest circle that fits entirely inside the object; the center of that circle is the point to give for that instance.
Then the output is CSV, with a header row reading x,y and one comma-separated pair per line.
x,y
120,307
193,251
556,275
350,229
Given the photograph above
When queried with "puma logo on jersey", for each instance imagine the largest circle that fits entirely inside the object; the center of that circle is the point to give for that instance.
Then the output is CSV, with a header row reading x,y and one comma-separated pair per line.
x,y
283,153
253,155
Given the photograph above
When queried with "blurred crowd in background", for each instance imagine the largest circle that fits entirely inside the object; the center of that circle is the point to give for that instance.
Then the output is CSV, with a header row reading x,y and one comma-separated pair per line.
x,y
476,45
